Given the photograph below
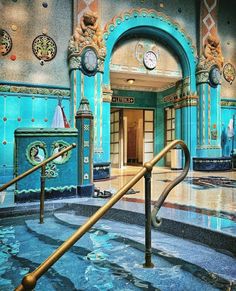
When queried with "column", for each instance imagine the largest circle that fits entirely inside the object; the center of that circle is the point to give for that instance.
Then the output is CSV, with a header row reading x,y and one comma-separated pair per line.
x,y
84,124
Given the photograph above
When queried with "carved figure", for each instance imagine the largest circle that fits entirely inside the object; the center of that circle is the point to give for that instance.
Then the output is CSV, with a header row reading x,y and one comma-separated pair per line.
x,y
212,51
88,31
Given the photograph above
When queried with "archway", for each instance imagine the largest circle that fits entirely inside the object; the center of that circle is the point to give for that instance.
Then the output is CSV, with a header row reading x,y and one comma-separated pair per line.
x,y
156,25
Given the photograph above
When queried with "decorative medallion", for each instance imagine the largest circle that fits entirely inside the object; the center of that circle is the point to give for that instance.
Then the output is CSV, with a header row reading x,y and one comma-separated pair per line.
x,y
5,42
36,152
229,72
51,170
44,48
58,146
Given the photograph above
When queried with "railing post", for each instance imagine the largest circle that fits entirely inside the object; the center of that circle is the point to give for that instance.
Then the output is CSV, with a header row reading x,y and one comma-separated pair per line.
x,y
42,193
148,240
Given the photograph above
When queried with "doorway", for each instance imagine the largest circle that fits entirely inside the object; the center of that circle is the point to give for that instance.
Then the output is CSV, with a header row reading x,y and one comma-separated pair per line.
x,y
132,136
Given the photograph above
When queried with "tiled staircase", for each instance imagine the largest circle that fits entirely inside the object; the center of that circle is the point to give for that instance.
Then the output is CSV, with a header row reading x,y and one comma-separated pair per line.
x,y
109,257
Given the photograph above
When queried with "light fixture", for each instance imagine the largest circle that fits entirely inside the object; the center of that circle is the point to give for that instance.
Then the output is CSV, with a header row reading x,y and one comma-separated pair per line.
x,y
130,81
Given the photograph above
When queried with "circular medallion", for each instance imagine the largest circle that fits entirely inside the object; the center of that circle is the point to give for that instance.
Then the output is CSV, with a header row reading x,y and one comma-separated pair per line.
x,y
150,60
44,48
36,152
57,147
89,62
5,42
214,76
229,72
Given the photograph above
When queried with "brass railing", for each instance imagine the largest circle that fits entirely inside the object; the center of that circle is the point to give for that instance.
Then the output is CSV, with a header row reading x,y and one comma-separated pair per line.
x,y
41,165
30,280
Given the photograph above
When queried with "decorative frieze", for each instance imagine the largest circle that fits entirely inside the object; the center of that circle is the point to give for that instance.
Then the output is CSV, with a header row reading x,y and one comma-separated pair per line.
x,y
228,103
34,90
191,100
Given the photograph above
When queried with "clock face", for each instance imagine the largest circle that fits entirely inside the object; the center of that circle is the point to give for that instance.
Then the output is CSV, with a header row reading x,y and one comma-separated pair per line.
x,y
150,60
89,62
214,76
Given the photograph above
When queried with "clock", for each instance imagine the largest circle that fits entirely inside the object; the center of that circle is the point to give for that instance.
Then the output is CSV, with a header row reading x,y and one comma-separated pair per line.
x,y
89,62
214,76
150,60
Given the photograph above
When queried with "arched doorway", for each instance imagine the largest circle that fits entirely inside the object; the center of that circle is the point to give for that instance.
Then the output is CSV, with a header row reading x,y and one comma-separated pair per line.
x,y
155,26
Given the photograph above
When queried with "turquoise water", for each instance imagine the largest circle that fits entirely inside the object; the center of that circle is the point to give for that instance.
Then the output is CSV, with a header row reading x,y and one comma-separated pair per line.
x,y
101,260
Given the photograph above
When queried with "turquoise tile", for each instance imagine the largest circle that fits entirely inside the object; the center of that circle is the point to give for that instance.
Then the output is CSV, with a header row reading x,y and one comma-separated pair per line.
x,y
2,106
26,108
12,107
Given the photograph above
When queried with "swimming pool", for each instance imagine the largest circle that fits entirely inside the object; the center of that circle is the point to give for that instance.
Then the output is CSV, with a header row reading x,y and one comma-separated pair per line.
x,y
109,257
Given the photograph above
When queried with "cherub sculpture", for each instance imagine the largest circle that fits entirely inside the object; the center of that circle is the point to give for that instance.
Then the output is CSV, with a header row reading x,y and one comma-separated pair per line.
x,y
212,50
88,31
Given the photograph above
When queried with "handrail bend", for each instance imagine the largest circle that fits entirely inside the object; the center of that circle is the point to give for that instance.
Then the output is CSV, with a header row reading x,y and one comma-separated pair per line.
x,y
30,280
156,221
33,169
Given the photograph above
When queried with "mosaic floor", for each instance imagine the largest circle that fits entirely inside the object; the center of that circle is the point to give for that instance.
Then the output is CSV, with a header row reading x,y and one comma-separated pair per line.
x,y
213,191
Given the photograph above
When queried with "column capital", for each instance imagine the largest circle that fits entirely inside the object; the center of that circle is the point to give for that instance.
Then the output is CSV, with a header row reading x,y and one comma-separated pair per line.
x,y
106,93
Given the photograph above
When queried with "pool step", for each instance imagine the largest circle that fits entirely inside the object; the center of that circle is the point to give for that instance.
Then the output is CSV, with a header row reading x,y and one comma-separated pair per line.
x,y
190,251
83,261
104,242
184,224
112,252
21,255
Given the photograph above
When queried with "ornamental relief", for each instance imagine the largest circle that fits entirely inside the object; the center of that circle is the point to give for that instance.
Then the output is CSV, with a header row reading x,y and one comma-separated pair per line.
x,y
44,48
212,54
5,42
88,33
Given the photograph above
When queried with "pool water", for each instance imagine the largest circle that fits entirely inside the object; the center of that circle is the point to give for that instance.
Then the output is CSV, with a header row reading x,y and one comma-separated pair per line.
x,y
103,259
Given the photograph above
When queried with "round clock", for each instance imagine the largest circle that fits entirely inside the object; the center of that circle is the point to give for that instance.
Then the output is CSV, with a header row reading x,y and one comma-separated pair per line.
x,y
214,76
89,62
150,60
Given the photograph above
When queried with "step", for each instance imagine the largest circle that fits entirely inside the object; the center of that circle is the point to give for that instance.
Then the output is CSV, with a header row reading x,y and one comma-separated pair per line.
x,y
71,268
114,250
164,248
185,224
17,259
222,265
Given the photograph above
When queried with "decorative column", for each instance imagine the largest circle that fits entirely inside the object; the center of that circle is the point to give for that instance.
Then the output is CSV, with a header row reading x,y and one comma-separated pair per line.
x,y
84,124
208,75
86,54
209,117
185,105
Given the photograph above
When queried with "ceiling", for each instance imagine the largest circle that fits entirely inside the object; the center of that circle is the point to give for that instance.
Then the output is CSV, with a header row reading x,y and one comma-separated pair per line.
x,y
142,81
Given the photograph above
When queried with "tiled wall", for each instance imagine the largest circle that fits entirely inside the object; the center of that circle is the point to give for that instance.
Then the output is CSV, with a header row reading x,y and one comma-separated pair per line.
x,y
22,110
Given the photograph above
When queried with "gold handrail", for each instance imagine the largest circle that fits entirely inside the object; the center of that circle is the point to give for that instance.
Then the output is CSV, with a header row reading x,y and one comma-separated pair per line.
x,y
43,163
30,280
156,221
